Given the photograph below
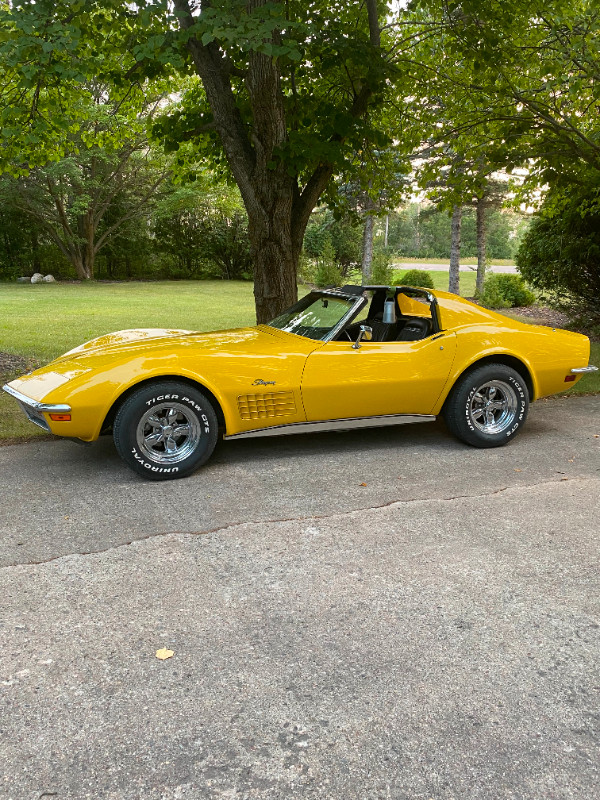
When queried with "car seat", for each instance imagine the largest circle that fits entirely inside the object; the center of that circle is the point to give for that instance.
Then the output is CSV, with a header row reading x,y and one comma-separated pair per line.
x,y
415,329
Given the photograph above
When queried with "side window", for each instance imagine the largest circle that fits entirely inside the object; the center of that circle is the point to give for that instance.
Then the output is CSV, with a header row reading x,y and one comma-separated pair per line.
x,y
351,330
361,317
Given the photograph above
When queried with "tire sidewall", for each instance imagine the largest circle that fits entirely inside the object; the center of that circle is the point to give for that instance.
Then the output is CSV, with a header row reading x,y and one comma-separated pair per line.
x,y
458,414
520,389
141,401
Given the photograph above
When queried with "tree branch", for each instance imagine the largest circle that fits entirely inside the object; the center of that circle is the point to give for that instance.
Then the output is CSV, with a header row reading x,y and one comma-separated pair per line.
x,y
212,68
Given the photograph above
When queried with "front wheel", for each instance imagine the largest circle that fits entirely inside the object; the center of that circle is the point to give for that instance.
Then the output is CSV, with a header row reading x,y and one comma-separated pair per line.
x,y
488,406
165,430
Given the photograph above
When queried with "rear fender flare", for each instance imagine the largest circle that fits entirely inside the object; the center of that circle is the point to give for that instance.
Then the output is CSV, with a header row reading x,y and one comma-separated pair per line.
x,y
497,356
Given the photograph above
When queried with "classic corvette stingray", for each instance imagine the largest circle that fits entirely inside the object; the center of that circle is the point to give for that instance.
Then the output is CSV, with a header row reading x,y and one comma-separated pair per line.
x,y
357,356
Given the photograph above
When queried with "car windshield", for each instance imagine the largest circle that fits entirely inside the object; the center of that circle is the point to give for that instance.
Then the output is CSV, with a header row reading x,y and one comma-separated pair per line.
x,y
314,316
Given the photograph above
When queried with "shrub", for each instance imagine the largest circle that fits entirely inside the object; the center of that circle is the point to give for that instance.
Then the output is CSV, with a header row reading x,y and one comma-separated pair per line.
x,y
417,277
314,239
506,291
306,269
560,253
381,273
492,296
343,234
327,272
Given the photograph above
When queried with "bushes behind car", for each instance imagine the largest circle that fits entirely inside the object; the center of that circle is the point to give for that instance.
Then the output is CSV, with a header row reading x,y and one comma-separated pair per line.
x,y
505,291
327,271
382,273
417,277
560,253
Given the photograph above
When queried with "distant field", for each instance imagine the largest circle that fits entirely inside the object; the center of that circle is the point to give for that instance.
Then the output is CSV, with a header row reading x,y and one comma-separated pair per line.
x,y
42,321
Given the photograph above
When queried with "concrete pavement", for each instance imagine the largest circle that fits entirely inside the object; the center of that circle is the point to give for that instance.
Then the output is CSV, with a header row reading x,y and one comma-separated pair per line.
x,y
433,634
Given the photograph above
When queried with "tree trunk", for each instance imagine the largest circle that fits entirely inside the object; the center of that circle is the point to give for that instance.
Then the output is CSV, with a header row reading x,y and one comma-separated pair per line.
x,y
85,250
367,242
417,231
275,240
274,250
82,268
367,250
454,272
35,252
481,245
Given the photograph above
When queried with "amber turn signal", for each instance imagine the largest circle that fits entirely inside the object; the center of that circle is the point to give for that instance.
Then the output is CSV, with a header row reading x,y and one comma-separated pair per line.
x,y
60,417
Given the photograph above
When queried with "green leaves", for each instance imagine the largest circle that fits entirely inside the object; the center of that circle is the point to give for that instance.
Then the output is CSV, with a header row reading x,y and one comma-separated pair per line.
x,y
512,84
265,29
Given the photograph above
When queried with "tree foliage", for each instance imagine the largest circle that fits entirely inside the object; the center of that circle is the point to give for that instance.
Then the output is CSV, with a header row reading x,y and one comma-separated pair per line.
x,y
423,231
285,102
513,83
560,253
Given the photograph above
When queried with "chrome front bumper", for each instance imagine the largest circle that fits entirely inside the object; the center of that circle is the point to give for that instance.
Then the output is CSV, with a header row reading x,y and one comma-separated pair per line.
x,y
34,409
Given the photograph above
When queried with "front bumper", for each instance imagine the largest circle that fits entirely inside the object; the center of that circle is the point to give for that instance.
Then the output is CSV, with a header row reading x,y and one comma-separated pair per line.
x,y
35,410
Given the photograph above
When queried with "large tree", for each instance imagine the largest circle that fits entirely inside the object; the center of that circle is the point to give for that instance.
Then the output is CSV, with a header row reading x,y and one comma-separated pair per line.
x,y
287,94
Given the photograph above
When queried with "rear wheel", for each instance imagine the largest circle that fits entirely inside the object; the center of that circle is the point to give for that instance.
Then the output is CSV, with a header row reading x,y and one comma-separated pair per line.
x,y
488,406
165,430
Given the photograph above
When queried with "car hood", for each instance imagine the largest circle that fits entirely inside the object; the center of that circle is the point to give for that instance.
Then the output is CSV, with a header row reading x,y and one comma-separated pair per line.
x,y
130,342
108,350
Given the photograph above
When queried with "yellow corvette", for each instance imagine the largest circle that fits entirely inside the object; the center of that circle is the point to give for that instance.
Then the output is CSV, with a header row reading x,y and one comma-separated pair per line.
x,y
359,356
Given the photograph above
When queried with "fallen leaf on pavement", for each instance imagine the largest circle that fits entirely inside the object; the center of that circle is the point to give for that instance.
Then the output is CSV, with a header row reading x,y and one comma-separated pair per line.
x,y
164,653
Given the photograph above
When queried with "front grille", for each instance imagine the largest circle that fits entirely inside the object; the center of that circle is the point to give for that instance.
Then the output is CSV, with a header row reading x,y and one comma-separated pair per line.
x,y
271,404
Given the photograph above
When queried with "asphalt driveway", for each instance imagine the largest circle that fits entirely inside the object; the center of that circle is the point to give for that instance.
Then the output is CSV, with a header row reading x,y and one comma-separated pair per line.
x,y
383,614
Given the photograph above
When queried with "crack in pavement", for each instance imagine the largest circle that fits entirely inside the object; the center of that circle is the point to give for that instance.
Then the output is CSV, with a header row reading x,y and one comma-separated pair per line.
x,y
280,520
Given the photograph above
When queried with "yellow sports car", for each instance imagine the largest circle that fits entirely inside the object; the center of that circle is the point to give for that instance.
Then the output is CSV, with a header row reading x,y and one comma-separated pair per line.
x,y
358,356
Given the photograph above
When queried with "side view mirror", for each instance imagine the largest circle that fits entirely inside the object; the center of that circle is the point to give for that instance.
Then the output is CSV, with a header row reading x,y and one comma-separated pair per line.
x,y
366,333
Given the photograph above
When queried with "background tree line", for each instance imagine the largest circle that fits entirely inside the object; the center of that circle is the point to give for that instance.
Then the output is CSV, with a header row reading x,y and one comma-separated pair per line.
x,y
201,231
178,232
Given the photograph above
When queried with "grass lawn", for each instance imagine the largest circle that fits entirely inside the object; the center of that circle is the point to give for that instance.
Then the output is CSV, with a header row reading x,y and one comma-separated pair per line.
x,y
44,320
41,321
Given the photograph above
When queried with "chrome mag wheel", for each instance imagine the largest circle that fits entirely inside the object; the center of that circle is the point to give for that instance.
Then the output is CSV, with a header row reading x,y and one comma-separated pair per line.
x,y
493,407
168,433
165,430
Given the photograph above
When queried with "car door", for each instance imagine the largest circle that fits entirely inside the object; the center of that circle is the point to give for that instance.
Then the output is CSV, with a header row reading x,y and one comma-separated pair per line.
x,y
377,378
